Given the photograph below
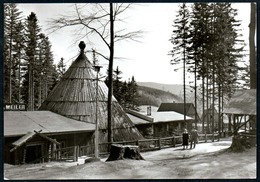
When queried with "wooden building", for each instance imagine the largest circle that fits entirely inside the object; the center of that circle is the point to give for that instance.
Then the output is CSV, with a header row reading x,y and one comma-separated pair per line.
x,y
241,111
32,136
143,122
75,97
159,124
208,119
179,108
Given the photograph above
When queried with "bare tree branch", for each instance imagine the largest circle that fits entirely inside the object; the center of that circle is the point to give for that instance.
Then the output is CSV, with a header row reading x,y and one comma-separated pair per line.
x,y
130,35
91,28
95,20
100,54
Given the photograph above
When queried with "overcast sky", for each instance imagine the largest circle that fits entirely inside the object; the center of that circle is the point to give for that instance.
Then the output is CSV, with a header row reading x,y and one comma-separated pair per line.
x,y
147,61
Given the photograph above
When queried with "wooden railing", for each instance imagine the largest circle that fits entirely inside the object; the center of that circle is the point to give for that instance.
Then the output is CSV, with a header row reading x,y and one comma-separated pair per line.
x,y
147,144
144,145
66,153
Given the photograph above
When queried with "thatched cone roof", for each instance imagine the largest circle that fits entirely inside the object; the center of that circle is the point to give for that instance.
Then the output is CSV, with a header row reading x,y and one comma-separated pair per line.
x,y
75,97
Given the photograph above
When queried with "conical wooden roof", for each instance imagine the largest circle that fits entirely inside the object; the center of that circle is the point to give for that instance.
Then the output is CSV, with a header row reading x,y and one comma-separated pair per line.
x,y
75,97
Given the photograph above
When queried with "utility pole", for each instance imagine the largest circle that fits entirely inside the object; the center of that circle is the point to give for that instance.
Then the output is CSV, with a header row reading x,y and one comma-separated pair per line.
x,y
97,69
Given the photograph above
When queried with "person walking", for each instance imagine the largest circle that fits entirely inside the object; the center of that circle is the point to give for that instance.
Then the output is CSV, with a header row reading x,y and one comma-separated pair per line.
x,y
185,139
193,138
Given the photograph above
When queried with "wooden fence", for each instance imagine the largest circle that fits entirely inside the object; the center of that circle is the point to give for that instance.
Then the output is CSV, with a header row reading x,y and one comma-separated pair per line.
x,y
144,145
67,153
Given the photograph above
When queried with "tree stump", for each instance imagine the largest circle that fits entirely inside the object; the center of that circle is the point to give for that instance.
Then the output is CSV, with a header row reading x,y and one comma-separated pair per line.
x,y
119,152
237,145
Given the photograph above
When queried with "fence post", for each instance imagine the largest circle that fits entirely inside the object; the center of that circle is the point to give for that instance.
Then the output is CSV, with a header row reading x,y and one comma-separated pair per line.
x,y
159,142
173,141
213,137
59,154
80,151
137,142
205,137
75,159
78,154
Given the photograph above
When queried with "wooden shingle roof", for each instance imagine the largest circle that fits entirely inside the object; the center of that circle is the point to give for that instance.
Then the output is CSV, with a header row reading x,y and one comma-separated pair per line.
x,y
18,123
242,102
75,97
178,107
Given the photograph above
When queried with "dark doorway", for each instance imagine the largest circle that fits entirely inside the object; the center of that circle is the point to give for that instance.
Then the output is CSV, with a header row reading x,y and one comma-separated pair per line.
x,y
33,154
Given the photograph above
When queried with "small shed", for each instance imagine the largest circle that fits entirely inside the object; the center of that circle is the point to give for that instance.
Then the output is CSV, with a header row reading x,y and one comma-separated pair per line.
x,y
241,111
30,136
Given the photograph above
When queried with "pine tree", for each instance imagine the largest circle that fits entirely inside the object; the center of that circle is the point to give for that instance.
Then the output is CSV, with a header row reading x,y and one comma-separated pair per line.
x,y
45,69
180,41
18,62
61,68
31,37
198,38
132,94
117,85
125,92
215,50
12,36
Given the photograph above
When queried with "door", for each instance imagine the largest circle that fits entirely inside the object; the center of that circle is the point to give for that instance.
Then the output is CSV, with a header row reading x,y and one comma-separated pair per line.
x,y
33,154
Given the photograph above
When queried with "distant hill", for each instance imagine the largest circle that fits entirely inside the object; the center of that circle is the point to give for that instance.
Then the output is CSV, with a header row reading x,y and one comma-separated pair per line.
x,y
173,88
154,97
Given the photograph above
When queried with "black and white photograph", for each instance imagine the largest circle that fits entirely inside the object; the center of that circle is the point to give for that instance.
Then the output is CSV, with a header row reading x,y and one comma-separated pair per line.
x,y
129,90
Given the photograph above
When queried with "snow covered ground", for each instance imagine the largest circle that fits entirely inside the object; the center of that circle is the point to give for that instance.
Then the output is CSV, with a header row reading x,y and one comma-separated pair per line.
x,y
207,161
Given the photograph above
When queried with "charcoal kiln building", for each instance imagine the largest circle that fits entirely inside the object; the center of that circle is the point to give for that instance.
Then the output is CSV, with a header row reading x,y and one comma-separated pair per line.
x,y
71,103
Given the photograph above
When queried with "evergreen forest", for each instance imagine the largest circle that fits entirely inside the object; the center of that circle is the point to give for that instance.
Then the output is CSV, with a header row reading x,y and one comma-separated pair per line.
x,y
207,44
29,69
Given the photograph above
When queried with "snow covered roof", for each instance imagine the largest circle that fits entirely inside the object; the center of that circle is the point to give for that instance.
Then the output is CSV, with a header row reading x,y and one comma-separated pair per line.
x,y
137,120
242,102
17,123
169,116
156,117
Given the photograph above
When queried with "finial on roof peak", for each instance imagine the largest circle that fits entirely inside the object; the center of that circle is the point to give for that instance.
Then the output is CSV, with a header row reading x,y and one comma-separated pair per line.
x,y
82,46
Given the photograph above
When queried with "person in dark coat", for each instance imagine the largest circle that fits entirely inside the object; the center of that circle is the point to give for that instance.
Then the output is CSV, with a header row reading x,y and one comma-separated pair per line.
x,y
193,138
185,139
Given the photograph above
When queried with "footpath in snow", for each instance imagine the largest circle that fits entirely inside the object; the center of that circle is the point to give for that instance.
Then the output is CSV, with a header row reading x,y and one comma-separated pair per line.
x,y
179,153
163,154
175,152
